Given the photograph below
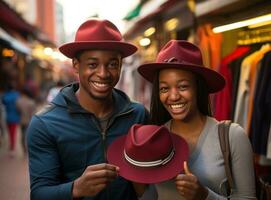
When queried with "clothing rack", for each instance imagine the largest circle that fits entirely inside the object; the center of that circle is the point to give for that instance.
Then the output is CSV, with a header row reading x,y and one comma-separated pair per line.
x,y
248,37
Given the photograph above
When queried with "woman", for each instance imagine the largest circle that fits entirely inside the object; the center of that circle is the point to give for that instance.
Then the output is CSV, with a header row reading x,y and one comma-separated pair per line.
x,y
180,100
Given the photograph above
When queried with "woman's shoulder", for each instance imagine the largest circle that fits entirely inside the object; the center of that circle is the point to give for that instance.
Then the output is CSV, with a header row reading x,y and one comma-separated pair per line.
x,y
237,131
239,139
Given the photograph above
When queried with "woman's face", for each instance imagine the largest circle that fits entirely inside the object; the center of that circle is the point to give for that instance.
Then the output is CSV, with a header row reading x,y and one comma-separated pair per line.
x,y
178,93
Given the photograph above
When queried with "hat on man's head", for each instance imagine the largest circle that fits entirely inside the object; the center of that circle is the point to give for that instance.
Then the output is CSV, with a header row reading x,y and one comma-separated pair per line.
x,y
98,34
183,55
148,154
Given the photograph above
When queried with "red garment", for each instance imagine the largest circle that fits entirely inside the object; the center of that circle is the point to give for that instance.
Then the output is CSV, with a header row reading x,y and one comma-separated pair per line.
x,y
223,98
12,128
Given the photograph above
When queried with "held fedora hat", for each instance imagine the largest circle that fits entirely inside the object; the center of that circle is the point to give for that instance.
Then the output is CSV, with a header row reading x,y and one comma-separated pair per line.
x,y
98,34
148,154
183,55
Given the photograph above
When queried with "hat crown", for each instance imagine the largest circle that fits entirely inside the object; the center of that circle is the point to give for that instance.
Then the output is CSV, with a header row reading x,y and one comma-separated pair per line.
x,y
147,143
97,30
180,51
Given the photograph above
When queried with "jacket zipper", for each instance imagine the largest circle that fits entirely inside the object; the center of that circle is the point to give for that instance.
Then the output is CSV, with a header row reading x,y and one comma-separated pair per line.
x,y
105,131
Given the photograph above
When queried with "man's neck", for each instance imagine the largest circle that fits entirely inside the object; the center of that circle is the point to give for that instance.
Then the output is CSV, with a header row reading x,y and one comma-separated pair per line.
x,y
99,107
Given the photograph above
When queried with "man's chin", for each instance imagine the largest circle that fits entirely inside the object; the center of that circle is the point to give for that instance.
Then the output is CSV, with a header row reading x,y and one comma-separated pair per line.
x,y
101,97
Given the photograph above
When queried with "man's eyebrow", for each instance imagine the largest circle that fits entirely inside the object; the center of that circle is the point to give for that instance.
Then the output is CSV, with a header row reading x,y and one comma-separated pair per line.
x,y
92,58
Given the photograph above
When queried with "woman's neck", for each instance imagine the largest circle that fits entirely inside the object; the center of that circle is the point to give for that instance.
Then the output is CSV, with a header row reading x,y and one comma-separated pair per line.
x,y
192,127
189,130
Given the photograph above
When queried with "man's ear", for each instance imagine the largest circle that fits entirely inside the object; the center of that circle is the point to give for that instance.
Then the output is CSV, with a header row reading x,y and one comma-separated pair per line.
x,y
75,64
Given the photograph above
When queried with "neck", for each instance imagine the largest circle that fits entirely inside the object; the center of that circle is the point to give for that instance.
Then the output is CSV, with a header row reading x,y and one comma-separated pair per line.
x,y
190,128
99,107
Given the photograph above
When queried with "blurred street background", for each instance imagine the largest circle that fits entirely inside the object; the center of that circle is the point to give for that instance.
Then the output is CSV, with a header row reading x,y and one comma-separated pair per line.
x,y
234,36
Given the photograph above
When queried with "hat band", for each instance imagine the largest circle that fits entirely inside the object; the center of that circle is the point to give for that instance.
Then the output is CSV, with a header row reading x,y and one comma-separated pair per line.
x,y
150,163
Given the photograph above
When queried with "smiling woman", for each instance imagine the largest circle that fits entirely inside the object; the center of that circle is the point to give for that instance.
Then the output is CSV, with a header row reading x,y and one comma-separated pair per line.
x,y
180,101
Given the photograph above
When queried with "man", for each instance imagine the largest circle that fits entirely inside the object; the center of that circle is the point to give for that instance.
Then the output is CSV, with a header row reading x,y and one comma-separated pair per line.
x,y
68,139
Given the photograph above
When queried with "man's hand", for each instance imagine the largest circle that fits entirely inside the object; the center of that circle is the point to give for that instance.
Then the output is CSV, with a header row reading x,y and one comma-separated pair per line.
x,y
189,187
94,179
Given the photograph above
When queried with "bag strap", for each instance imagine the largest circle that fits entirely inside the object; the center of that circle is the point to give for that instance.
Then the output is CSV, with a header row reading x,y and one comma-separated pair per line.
x,y
223,133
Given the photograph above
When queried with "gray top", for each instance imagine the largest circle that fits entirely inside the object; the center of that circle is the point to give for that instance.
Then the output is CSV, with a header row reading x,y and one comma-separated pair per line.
x,y
207,163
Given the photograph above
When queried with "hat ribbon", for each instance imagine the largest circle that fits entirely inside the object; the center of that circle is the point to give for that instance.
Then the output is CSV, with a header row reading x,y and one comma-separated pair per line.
x,y
150,163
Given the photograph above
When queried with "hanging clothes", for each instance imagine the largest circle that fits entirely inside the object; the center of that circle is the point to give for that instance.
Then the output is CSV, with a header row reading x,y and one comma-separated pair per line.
x,y
224,97
245,88
260,123
210,46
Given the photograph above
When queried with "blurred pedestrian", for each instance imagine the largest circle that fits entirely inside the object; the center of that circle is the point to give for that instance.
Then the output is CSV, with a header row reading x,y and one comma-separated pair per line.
x,y
67,140
9,100
54,90
26,106
2,120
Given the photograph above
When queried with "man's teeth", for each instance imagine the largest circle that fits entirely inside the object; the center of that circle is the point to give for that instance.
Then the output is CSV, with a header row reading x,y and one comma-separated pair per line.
x,y
100,84
176,106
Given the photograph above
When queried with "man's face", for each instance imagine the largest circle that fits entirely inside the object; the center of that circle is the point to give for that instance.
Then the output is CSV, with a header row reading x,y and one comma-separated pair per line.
x,y
99,72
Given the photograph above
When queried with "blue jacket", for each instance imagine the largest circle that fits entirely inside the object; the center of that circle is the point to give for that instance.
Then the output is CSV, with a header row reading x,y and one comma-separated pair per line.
x,y
63,139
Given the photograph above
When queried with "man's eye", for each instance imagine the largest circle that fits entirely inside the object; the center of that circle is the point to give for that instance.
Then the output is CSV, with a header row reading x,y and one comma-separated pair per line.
x,y
163,90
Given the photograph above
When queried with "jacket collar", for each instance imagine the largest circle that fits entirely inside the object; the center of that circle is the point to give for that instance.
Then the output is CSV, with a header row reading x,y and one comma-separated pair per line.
x,y
67,98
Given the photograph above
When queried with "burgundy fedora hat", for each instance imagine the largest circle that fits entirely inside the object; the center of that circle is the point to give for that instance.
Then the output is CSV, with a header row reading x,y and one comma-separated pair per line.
x,y
98,34
148,154
183,55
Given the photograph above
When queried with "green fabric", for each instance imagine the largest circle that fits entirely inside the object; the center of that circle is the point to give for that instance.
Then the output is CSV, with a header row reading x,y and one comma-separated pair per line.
x,y
133,13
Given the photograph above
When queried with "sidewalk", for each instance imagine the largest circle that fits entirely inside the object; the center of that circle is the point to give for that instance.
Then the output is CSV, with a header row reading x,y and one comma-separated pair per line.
x,y
14,180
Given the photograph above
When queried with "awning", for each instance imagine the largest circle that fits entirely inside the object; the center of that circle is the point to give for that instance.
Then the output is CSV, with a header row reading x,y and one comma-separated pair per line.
x,y
133,13
148,12
13,20
14,43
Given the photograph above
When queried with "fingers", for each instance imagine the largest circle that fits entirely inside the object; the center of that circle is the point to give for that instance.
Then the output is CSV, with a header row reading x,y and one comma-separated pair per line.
x,y
102,170
186,169
186,192
103,166
187,183
94,179
188,186
184,177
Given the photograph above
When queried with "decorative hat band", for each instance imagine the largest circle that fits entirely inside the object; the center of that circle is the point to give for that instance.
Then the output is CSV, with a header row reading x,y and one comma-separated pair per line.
x,y
150,163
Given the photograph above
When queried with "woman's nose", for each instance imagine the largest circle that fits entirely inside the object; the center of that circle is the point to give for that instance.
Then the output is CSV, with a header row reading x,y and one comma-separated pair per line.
x,y
174,94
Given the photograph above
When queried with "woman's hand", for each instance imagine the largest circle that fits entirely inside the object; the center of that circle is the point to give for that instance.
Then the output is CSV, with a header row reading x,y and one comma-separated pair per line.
x,y
189,187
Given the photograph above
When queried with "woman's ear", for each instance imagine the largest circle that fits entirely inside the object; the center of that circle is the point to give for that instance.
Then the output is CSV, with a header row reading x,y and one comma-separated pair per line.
x,y
75,64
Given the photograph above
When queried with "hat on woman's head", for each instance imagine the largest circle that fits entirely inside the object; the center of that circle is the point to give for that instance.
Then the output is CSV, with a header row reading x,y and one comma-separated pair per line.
x,y
183,55
148,154
98,34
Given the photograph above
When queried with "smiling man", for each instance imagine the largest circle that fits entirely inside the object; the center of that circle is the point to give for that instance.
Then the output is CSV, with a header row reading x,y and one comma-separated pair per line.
x,y
68,139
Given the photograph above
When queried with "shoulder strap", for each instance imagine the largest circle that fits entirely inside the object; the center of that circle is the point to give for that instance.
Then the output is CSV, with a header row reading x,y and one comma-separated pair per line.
x,y
223,133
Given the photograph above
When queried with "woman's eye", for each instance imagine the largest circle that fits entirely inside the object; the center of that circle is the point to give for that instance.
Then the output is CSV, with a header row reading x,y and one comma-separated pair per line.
x,y
163,90
113,64
92,65
183,87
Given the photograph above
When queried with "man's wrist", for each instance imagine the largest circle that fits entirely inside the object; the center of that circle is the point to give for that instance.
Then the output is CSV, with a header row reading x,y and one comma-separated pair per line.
x,y
75,193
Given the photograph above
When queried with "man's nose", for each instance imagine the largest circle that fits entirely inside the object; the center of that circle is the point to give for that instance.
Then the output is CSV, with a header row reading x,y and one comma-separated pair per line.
x,y
102,71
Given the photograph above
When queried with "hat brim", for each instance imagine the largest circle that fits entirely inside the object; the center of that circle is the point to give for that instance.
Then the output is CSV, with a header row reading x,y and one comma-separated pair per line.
x,y
148,175
70,49
214,80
